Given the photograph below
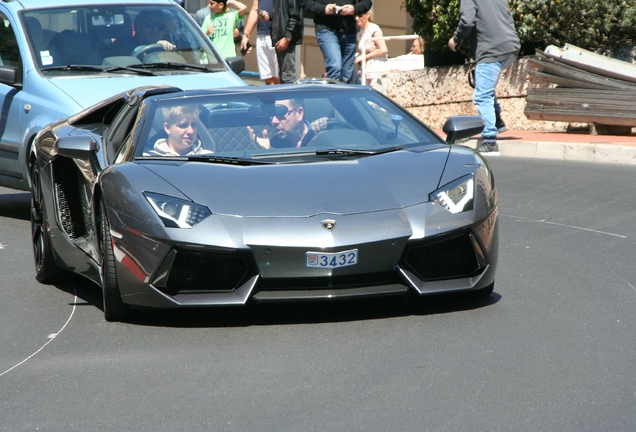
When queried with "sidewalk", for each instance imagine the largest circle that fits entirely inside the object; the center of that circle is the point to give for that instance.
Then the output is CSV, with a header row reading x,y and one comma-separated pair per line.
x,y
578,146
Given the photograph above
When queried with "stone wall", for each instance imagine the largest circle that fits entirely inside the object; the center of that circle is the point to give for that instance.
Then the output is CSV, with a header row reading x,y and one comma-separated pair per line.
x,y
433,94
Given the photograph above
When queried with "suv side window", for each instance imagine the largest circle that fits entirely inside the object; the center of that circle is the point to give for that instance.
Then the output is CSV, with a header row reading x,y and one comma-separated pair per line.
x,y
9,51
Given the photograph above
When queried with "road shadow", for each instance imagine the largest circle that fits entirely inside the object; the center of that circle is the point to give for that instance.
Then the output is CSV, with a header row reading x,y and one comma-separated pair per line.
x,y
287,313
15,205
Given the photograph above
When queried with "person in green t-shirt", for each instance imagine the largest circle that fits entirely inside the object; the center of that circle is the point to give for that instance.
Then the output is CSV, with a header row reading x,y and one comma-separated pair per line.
x,y
220,24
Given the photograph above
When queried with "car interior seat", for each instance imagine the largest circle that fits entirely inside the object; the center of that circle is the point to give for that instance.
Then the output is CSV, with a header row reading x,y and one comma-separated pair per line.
x,y
69,47
104,31
318,108
36,35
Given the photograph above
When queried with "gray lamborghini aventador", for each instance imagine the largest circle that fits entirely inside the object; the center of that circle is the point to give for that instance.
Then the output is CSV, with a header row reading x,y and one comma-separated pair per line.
x,y
169,198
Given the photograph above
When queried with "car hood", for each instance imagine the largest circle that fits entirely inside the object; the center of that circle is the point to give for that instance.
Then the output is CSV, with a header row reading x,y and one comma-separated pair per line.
x,y
87,91
367,184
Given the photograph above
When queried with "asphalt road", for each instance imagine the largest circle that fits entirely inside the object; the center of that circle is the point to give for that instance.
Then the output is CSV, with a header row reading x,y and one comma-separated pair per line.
x,y
552,350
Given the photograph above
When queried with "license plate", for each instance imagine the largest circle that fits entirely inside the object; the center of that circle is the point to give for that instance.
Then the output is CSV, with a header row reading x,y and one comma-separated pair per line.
x,y
332,260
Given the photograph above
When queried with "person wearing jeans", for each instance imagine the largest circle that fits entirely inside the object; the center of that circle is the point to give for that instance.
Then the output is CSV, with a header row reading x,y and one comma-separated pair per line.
x,y
337,34
489,27
486,77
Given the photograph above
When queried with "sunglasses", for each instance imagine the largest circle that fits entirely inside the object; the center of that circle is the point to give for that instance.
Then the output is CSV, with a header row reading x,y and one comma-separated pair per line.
x,y
155,25
284,116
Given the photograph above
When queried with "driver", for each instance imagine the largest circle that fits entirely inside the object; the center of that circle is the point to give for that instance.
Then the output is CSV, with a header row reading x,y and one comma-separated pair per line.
x,y
290,129
181,138
150,28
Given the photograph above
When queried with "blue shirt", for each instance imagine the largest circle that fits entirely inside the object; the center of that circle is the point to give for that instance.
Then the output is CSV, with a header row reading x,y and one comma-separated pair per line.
x,y
265,27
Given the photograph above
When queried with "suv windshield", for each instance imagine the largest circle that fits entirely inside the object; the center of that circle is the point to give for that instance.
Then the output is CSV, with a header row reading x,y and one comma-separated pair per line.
x,y
321,121
116,37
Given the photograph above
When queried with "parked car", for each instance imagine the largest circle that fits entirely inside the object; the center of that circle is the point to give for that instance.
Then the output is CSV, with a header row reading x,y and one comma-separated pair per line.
x,y
58,57
357,198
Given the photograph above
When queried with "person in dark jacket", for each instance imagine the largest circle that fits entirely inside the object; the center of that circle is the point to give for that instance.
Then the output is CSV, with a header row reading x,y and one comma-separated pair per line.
x,y
336,33
286,33
489,27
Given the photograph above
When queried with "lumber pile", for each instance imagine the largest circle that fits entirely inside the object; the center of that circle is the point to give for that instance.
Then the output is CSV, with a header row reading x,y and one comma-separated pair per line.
x,y
581,86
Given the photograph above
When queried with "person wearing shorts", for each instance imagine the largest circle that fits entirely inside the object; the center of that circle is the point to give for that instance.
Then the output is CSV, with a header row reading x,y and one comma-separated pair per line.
x,y
261,16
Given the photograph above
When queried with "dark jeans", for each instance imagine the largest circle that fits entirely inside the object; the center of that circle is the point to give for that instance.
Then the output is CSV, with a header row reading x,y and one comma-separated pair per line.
x,y
338,49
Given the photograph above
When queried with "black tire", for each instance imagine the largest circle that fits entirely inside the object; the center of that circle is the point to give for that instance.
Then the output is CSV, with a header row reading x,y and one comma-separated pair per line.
x,y
114,308
46,271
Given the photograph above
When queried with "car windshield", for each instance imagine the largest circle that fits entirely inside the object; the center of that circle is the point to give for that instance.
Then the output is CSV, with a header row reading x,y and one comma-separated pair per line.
x,y
113,37
325,120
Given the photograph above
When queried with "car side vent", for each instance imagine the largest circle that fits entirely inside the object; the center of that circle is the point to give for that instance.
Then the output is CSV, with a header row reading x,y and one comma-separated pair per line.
x,y
444,258
69,210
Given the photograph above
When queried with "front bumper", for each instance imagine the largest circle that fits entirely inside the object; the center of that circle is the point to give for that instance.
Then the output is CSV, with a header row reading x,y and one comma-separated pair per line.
x,y
464,259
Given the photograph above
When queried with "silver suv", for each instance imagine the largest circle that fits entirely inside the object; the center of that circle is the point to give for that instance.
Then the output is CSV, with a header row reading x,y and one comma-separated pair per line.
x,y
58,57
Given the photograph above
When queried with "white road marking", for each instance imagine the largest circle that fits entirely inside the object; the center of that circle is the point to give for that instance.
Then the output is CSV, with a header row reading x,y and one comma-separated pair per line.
x,y
565,226
51,337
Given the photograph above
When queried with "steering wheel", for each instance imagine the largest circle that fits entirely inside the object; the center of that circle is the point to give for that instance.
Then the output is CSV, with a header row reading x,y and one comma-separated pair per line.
x,y
148,49
338,124
329,125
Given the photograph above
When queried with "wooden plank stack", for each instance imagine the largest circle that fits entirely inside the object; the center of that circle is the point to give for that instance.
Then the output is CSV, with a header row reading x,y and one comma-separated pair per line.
x,y
575,85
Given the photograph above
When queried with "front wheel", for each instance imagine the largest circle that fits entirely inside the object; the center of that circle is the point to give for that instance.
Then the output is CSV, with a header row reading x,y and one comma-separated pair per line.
x,y
46,271
114,308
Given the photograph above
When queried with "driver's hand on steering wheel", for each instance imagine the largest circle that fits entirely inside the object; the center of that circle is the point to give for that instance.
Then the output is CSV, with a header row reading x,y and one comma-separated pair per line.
x,y
168,46
319,124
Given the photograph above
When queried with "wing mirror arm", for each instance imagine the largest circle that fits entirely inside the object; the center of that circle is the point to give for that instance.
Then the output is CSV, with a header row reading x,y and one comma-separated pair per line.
x,y
396,120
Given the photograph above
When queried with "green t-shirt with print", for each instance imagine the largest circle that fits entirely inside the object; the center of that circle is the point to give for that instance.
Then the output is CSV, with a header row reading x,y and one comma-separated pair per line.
x,y
223,36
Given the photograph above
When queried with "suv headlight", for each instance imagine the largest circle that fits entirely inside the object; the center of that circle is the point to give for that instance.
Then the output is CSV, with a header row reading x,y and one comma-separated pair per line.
x,y
175,212
457,196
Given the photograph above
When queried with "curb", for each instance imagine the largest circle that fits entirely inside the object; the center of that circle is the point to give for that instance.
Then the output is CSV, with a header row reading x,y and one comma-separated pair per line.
x,y
582,152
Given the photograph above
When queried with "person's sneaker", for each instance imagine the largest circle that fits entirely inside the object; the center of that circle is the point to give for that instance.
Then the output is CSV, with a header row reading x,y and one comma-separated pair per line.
x,y
500,125
489,148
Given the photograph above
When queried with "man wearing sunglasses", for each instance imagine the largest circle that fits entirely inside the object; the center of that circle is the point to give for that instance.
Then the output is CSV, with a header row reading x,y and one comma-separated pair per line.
x,y
289,129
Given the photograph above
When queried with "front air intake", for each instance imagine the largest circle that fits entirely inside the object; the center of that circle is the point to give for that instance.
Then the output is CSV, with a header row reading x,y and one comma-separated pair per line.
x,y
444,258
206,272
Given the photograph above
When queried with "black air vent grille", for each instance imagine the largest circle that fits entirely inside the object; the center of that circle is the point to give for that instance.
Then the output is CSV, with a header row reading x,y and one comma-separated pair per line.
x,y
444,258
206,272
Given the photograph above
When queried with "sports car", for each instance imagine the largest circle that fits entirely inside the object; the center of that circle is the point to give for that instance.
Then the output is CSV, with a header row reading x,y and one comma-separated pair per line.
x,y
169,198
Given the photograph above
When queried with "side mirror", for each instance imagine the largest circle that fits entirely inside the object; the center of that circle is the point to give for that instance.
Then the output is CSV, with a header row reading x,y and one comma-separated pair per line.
x,y
8,75
461,127
76,146
237,64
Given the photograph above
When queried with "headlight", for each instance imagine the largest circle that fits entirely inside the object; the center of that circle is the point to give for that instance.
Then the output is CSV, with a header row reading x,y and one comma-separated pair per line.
x,y
175,212
457,196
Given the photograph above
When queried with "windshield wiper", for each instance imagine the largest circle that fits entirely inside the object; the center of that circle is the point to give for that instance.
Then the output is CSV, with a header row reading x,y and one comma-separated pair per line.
x,y
173,65
225,160
134,69
73,67
99,69
357,152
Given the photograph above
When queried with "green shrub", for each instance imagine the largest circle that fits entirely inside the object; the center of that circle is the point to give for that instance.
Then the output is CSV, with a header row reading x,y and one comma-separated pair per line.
x,y
589,24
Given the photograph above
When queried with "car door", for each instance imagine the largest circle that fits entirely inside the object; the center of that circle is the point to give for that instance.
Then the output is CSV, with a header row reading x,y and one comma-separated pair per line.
x,y
11,65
